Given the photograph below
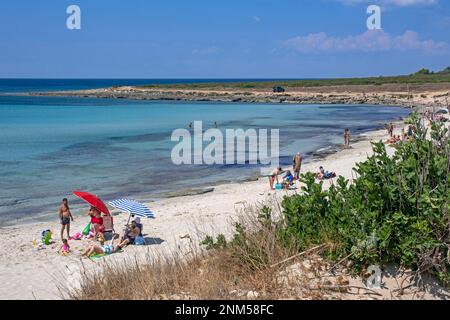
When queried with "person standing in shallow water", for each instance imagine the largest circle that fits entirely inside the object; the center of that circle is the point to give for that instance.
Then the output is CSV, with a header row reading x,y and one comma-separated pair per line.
x,y
65,216
297,164
346,138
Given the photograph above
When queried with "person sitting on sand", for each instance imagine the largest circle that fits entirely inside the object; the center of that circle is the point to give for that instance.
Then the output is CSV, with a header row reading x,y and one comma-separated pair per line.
x,y
96,220
139,224
405,137
274,177
130,235
288,179
65,216
65,248
325,174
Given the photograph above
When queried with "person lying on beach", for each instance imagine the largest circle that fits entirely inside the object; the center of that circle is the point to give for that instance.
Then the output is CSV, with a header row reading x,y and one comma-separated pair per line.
x,y
322,174
393,139
65,216
274,177
100,249
65,248
130,234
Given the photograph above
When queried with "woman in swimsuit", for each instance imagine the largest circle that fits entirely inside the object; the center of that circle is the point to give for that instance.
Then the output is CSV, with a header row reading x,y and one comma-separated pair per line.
x,y
130,235
346,138
96,220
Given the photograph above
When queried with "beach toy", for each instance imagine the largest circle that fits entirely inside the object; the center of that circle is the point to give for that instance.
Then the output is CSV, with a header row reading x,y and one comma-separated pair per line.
x,y
101,238
46,237
77,236
87,229
278,186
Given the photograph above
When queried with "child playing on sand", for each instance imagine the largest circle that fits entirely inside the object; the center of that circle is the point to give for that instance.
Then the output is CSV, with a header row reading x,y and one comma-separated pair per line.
x,y
65,248
65,216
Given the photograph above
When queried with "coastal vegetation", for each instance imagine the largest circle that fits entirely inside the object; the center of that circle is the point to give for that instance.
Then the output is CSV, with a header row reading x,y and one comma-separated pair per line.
x,y
423,76
395,210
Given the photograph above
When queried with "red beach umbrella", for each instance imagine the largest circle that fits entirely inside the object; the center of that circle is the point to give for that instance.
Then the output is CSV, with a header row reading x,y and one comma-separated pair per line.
x,y
92,200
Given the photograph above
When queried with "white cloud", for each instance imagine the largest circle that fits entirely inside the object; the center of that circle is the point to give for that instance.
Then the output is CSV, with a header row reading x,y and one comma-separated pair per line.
x,y
400,3
256,19
370,41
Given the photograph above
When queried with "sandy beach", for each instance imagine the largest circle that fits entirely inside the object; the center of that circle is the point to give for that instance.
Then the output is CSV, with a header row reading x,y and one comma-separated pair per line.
x,y
26,273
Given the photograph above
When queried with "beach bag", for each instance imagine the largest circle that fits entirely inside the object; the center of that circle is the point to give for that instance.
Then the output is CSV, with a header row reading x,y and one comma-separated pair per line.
x,y
87,229
139,241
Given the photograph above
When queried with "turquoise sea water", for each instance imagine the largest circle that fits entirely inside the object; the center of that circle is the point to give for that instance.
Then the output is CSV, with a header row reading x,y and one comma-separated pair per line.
x,y
121,148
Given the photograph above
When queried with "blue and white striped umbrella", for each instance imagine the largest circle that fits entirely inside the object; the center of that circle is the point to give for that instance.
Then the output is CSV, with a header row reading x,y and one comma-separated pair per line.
x,y
132,207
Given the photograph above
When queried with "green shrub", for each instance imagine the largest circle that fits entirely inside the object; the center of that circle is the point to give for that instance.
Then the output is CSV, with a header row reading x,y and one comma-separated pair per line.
x,y
396,210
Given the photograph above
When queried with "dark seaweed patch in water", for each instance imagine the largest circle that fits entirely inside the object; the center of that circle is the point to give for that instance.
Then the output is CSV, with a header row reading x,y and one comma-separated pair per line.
x,y
5,163
83,149
9,203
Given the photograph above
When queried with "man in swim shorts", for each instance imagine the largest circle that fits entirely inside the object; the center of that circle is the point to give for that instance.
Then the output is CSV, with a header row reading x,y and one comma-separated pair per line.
x,y
297,164
65,216
274,177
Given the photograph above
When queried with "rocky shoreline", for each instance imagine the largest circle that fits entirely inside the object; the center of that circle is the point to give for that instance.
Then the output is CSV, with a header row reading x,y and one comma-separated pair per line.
x,y
395,95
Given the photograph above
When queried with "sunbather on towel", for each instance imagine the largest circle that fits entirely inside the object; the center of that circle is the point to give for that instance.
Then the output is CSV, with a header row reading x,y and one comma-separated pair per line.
x,y
97,249
325,174
393,139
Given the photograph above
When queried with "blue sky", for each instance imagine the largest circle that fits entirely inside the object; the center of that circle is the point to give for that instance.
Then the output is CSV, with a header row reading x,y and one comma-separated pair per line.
x,y
221,39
